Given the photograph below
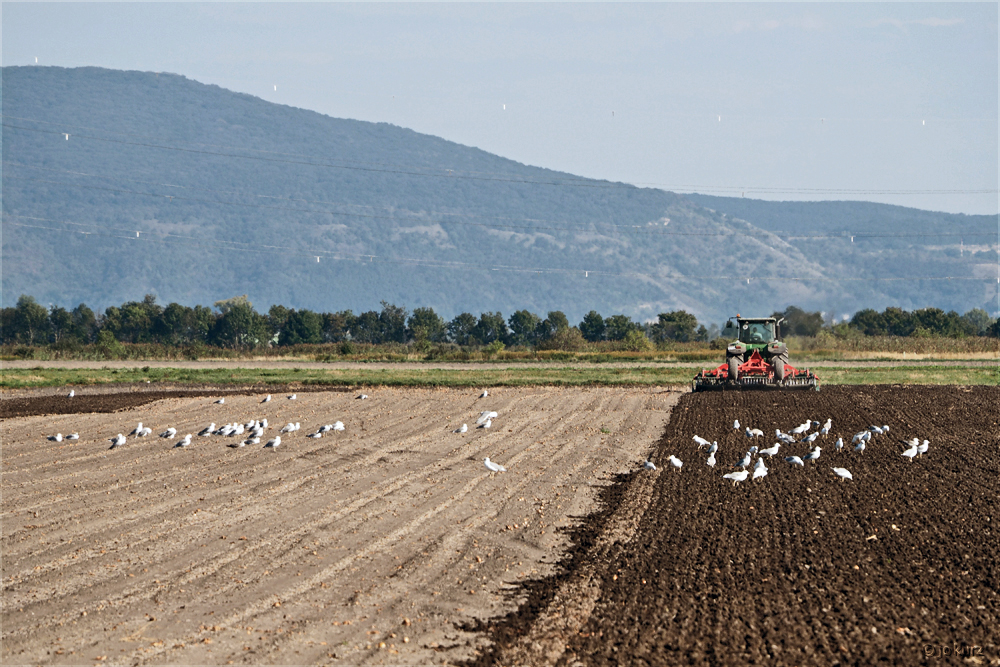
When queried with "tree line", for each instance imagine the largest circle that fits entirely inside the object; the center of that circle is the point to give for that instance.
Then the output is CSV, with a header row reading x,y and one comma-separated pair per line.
x,y
234,323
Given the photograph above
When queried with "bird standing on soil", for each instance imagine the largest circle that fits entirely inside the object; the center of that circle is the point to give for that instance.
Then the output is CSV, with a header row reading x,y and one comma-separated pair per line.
x,y
843,473
493,467
71,394
922,449
649,465
293,397
73,436
273,442
737,477
462,429
485,393
911,452
736,425
813,455
743,462
169,433
117,441
772,450
185,441
486,424
794,460
56,438
221,401
266,399
700,441
317,434
839,444
208,430
484,415
759,470
362,397
675,462
287,428
860,447
714,448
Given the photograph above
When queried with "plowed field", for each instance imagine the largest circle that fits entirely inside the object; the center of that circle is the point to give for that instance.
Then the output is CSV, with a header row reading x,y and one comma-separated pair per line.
x,y
900,565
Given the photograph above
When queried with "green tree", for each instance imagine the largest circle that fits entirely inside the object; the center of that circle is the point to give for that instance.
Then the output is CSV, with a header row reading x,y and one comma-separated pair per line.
x,y
277,317
337,326
523,326
977,322
367,328
31,321
461,329
592,327
869,322
898,322
799,323
618,327
490,327
426,325
393,323
84,323
241,327
60,324
225,305
302,326
678,325
554,322
8,330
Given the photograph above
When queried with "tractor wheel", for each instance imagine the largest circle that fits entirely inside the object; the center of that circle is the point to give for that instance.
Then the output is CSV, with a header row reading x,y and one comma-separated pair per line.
x,y
778,363
734,363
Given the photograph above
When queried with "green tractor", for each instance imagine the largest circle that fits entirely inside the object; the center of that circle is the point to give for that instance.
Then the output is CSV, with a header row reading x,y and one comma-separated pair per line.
x,y
755,358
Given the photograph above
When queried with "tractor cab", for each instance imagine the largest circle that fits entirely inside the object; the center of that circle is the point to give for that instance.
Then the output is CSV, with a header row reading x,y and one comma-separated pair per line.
x,y
752,332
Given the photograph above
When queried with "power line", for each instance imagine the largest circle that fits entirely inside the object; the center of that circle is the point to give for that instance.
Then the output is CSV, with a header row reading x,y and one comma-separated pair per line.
x,y
634,229
230,246
567,180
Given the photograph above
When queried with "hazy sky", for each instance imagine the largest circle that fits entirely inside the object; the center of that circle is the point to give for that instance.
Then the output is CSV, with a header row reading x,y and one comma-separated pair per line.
x,y
780,101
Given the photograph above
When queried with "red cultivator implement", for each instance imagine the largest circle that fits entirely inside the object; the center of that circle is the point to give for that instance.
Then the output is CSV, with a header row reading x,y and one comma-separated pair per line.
x,y
755,373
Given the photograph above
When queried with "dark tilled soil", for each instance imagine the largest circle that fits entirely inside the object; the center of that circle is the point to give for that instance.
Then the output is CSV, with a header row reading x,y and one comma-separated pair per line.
x,y
899,566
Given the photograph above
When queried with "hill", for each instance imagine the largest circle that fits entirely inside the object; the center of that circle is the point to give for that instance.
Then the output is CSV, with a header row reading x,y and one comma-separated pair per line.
x,y
195,193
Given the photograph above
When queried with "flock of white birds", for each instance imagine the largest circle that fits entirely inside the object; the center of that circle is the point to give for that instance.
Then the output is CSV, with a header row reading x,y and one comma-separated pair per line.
x,y
799,435
255,428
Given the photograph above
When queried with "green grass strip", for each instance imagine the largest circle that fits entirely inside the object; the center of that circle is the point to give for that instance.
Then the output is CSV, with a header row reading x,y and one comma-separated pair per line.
x,y
477,377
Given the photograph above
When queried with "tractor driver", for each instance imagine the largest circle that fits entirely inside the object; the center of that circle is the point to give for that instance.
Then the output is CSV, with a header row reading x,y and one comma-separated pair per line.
x,y
758,333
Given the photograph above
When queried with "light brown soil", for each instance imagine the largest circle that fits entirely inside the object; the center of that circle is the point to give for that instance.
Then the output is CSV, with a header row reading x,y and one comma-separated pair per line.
x,y
365,547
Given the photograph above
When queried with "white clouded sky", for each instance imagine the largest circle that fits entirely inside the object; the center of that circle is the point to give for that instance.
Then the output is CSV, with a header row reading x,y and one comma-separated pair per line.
x,y
812,97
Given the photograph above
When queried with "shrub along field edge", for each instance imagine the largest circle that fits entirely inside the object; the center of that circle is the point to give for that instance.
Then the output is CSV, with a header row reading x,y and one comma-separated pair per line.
x,y
478,377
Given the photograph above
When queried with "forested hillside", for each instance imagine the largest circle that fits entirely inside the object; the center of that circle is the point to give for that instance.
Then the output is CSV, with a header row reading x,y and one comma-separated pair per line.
x,y
124,183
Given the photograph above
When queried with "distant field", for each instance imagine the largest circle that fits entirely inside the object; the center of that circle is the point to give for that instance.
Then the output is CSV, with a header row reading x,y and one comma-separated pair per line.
x,y
475,376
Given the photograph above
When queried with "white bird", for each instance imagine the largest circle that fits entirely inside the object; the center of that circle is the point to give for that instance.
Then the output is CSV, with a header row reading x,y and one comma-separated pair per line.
x,y
338,426
811,438
73,436
137,430
753,450
675,462
885,428
813,455
250,424
714,448
117,441
828,425
772,450
914,442
839,444
711,460
72,393
760,470
743,462
144,432
876,429
266,399
317,434
800,429
226,430
649,465
484,394
824,431
273,442
362,397
701,442
748,433
208,430
257,432
287,428
486,424
221,401
922,449
56,438
910,453
843,473
794,460
169,433
463,429
860,447
239,429
493,467
324,428
486,414
740,476
293,397
263,423
185,442
736,425
756,433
